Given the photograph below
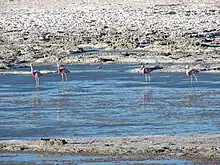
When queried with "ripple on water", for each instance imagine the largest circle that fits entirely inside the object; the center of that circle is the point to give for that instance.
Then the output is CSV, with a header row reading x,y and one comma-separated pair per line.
x,y
108,101
82,160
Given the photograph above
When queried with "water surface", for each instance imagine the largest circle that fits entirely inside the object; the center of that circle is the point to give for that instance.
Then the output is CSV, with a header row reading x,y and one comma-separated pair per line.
x,y
8,158
108,101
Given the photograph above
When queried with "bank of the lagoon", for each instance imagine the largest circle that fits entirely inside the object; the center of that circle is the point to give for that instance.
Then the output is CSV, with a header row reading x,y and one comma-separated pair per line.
x,y
169,31
199,149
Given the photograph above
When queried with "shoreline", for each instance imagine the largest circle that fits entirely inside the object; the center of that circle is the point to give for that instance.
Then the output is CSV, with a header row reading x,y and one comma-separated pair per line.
x,y
172,31
200,148
166,68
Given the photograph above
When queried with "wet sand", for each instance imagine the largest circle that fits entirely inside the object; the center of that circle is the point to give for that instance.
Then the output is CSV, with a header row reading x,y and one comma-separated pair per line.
x,y
199,148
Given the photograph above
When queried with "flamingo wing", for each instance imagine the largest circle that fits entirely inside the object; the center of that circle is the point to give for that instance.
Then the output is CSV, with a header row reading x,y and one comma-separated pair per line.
x,y
37,72
194,71
64,69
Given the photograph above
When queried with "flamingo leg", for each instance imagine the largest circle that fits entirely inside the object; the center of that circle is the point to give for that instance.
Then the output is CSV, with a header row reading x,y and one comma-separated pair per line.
x,y
191,79
62,77
146,77
65,76
37,81
149,78
195,78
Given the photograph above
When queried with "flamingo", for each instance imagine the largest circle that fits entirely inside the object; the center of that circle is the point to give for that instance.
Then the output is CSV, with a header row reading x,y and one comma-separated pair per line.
x,y
191,73
147,70
62,70
36,74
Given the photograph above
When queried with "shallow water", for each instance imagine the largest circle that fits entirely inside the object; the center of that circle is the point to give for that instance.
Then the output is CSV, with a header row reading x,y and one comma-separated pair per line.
x,y
8,158
101,51
108,101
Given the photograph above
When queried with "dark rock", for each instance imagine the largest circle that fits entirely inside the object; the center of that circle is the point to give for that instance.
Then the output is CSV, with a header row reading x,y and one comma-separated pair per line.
x,y
126,53
211,30
171,12
188,55
166,54
48,141
105,60
60,141
45,139
204,45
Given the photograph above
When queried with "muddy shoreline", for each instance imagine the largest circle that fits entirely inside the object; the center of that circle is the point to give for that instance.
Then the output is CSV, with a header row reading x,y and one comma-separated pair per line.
x,y
200,148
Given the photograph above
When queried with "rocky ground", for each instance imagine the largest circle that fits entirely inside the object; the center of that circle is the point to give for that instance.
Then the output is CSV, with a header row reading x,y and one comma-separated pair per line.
x,y
198,148
173,31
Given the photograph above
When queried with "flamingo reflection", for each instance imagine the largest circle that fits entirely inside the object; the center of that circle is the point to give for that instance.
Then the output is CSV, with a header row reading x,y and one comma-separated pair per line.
x,y
192,98
36,99
61,103
146,95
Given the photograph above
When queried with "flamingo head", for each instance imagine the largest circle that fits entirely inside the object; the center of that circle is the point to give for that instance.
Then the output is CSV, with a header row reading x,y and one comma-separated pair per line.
x,y
31,64
142,66
187,67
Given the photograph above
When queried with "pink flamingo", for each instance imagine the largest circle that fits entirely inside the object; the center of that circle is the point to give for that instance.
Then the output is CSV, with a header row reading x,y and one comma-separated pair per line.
x,y
36,74
62,70
147,70
191,73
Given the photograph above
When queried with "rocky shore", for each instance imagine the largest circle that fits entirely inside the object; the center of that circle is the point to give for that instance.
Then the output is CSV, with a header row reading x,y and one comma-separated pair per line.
x,y
39,31
198,148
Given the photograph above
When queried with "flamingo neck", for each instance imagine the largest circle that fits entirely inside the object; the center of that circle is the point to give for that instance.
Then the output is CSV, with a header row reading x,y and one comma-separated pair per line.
x,y
187,72
58,68
32,69
143,70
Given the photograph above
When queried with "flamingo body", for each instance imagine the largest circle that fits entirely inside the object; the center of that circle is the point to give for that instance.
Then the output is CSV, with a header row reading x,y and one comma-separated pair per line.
x,y
62,70
191,73
36,74
147,70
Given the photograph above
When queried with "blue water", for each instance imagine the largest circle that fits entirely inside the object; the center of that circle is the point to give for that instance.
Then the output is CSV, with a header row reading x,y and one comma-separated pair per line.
x,y
108,101
102,102
8,158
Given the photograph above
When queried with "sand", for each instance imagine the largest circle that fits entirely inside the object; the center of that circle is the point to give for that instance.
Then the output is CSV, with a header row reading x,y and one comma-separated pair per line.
x,y
40,31
198,148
